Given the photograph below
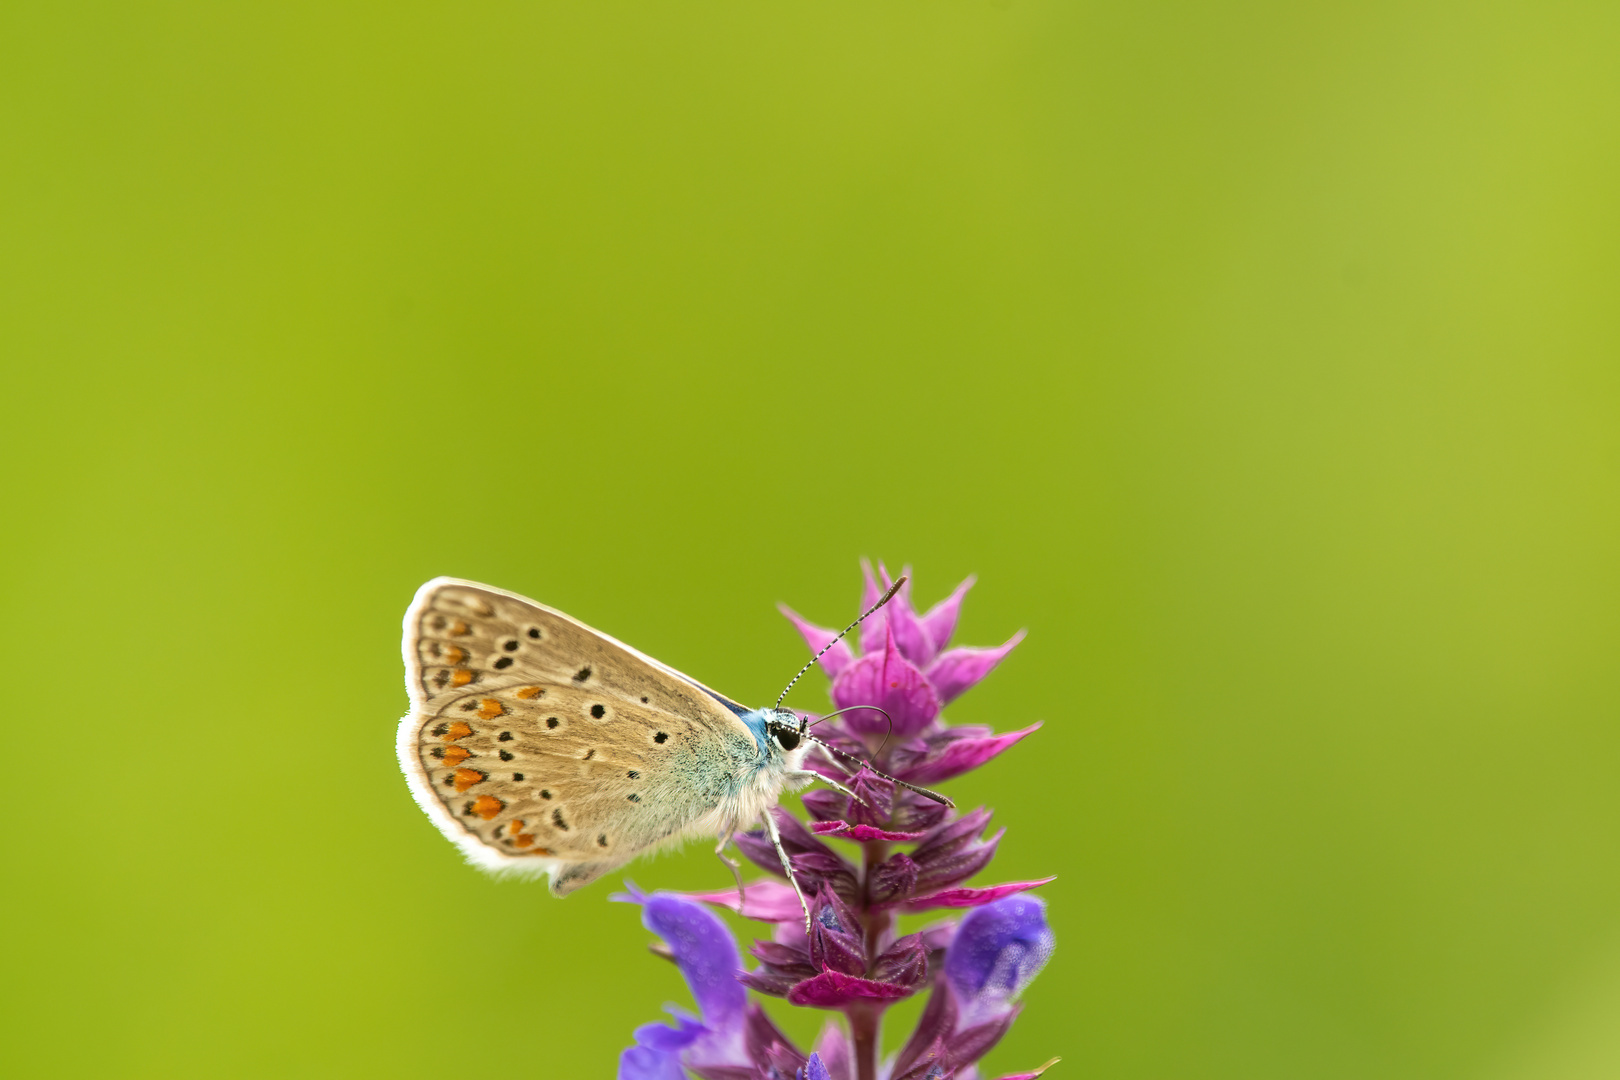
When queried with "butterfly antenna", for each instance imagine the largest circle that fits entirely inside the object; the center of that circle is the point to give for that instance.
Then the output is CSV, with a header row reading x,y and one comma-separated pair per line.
x,y
924,792
886,598
853,708
857,708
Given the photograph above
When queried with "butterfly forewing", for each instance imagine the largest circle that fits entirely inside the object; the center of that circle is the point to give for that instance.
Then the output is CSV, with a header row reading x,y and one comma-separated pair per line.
x,y
537,743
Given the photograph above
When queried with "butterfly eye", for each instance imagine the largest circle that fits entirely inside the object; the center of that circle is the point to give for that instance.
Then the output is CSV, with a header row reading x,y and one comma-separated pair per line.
x,y
787,737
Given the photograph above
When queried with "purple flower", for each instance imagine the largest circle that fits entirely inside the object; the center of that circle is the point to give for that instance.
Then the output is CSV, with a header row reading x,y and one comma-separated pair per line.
x,y
995,954
704,950
734,1039
913,854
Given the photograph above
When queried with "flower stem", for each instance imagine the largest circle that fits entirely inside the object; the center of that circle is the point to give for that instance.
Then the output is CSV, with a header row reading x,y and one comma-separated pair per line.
x,y
866,1018
865,1026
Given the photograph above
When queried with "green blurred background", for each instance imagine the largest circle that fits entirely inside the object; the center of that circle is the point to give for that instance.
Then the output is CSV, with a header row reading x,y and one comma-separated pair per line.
x,y
1261,358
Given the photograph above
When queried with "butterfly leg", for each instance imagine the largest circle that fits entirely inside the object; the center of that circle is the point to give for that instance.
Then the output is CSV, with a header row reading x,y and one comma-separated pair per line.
x,y
736,867
787,864
799,779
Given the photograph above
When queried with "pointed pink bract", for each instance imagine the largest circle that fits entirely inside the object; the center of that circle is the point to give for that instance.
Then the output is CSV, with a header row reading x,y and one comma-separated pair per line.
x,y
940,622
845,831
909,636
767,901
959,669
836,658
872,629
960,756
834,989
884,678
964,897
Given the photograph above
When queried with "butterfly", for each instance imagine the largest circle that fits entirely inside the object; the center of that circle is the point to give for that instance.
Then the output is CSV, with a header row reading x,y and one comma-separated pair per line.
x,y
540,746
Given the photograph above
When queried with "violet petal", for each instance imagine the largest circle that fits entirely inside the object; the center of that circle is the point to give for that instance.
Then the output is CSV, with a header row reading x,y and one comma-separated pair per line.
x,y
645,1063
835,659
886,679
816,1069
956,670
706,954
670,1039
834,990
998,951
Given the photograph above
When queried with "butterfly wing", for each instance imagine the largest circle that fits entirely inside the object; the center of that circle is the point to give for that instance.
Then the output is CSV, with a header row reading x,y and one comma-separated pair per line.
x,y
538,745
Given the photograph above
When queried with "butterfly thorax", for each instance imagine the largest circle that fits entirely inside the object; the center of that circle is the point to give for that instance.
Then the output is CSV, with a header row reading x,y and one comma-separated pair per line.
x,y
761,782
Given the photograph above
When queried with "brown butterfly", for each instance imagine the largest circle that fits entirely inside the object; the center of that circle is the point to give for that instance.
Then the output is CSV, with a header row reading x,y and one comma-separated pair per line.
x,y
538,745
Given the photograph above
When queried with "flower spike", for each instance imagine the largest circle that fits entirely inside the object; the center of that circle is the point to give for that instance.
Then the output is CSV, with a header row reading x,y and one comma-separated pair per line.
x,y
831,938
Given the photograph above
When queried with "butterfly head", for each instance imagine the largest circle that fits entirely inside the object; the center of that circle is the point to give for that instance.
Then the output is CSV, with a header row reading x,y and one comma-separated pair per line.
x,y
785,727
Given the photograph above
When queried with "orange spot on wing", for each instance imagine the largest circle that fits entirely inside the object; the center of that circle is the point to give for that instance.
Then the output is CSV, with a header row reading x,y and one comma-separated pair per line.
x,y
489,709
519,838
461,677
457,730
456,755
528,693
487,806
457,628
454,654
466,778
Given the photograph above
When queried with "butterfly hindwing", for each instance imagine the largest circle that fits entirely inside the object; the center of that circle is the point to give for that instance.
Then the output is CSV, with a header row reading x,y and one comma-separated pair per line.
x,y
537,744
